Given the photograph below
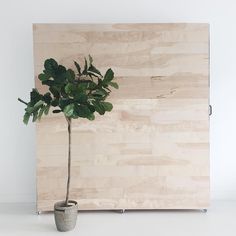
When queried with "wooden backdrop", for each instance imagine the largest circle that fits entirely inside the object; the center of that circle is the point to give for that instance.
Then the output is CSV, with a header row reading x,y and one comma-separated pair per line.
x,y
152,150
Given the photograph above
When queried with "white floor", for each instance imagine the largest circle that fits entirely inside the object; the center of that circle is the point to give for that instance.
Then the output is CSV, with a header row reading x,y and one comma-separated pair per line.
x,y
20,219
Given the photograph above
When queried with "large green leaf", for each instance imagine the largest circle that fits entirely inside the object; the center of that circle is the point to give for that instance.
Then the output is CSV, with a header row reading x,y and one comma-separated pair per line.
x,y
29,109
86,85
91,108
92,85
82,87
35,96
114,85
70,88
63,102
78,67
55,91
47,98
107,106
94,71
69,110
41,112
55,102
46,110
60,75
70,74
108,77
43,77
51,67
90,59
99,108
85,67
82,111
81,98
100,92
26,118
91,117
35,116
38,104
49,83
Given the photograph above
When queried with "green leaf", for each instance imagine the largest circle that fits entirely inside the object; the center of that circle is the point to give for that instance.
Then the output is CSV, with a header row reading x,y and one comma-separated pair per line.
x,y
60,75
114,85
50,64
82,87
35,116
55,102
78,67
85,67
77,90
55,91
26,118
63,93
29,109
51,67
81,98
70,75
49,83
47,98
69,110
43,77
46,110
69,88
38,104
90,60
99,108
35,96
63,102
100,92
91,108
107,106
94,70
108,77
82,111
91,117
41,112
92,85
85,84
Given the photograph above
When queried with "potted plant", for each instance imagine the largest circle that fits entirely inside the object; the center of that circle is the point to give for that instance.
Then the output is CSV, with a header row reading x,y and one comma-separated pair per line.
x,y
77,94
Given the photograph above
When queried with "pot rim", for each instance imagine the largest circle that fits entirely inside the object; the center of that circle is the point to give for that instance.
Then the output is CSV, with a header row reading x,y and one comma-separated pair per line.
x,y
60,206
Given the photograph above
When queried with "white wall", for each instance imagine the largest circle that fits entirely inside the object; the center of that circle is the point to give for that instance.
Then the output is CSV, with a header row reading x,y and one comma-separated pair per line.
x,y
17,142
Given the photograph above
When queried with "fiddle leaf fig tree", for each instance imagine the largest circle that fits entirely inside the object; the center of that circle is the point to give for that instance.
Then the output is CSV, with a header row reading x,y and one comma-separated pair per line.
x,y
76,94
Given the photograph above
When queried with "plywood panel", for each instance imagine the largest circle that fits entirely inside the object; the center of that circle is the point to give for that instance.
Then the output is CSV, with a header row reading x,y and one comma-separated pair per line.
x,y
152,150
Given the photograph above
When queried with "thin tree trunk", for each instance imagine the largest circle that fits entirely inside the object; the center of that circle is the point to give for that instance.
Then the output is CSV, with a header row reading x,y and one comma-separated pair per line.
x,y
69,161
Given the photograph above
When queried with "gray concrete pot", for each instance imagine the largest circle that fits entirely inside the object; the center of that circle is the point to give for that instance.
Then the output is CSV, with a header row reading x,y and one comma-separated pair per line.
x,y
65,216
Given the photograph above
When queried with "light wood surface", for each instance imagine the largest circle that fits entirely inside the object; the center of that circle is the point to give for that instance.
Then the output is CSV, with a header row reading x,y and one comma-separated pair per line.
x,y
152,150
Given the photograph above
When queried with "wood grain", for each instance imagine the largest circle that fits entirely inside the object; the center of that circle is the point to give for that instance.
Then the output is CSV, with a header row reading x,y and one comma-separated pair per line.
x,y
152,150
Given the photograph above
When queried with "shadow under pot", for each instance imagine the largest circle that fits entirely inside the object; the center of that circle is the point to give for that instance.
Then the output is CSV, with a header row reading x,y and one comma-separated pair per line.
x,y
65,216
